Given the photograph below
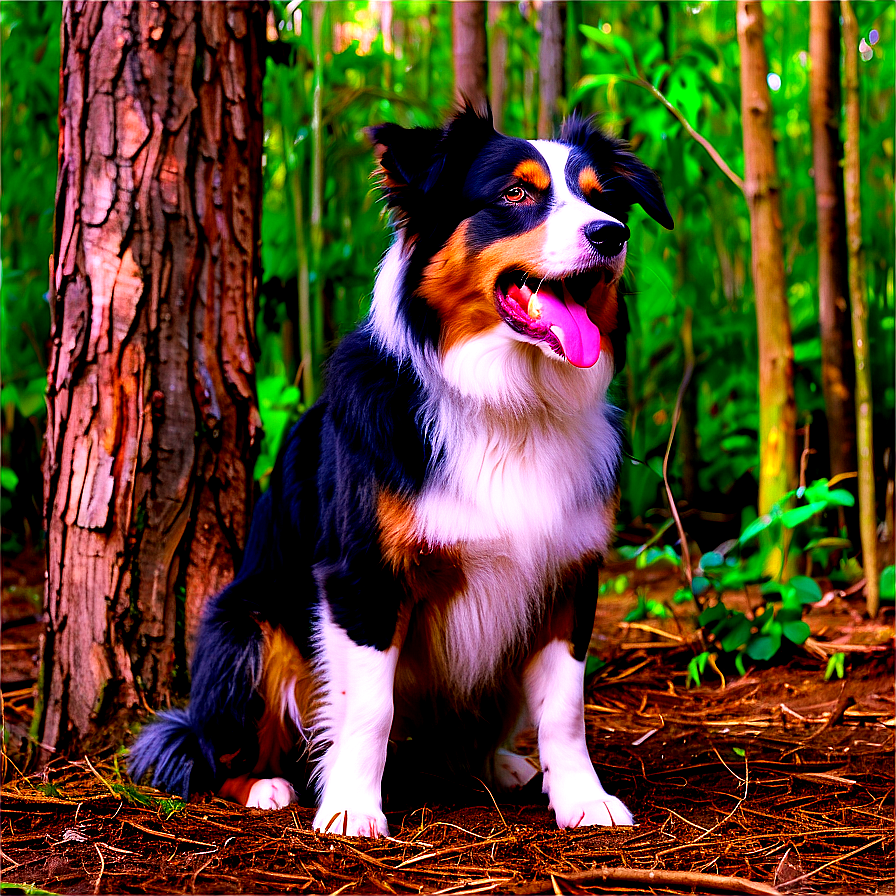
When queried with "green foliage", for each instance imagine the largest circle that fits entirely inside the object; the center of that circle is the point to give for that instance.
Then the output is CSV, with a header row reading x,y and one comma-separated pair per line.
x,y
836,666
646,609
888,584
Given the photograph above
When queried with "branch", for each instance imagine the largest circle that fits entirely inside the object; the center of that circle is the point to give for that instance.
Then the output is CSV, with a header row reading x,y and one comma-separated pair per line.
x,y
713,152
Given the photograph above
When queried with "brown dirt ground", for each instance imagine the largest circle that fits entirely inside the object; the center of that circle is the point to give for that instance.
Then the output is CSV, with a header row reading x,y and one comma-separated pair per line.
x,y
779,779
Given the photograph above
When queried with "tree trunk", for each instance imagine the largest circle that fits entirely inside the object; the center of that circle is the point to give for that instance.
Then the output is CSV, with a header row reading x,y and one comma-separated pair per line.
x,y
550,65
837,364
777,408
497,60
859,304
153,426
470,55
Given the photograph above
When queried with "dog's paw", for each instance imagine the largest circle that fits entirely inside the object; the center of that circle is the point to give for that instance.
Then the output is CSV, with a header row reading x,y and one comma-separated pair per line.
x,y
270,793
513,771
607,812
350,824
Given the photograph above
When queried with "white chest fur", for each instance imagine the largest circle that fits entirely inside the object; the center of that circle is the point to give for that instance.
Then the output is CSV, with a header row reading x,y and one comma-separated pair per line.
x,y
524,491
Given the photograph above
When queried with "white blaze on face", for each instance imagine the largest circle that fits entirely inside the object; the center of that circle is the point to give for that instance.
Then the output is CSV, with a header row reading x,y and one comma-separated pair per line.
x,y
566,248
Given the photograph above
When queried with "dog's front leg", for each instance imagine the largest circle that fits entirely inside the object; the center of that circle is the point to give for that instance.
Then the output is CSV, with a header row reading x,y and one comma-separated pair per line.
x,y
354,720
554,684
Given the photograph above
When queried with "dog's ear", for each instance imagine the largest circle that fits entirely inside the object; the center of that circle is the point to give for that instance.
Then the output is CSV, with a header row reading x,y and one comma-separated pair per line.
x,y
646,186
414,162
615,155
406,157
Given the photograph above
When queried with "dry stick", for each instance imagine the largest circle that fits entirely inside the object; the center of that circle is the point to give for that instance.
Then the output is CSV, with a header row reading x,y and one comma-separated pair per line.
x,y
166,836
848,855
96,886
658,878
688,372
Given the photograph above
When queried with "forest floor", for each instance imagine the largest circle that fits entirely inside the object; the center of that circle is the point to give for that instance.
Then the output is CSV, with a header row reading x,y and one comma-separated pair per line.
x,y
775,782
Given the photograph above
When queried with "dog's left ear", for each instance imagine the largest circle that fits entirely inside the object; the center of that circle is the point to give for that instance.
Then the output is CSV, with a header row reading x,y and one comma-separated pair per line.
x,y
646,187
614,154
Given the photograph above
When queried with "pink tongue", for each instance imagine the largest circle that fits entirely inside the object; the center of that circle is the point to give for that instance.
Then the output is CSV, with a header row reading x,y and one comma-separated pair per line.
x,y
580,337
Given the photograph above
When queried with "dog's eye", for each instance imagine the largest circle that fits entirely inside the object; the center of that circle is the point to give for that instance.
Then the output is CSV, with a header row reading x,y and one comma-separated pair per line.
x,y
515,194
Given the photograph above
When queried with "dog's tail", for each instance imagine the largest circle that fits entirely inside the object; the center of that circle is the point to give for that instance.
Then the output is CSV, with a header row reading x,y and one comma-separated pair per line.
x,y
193,750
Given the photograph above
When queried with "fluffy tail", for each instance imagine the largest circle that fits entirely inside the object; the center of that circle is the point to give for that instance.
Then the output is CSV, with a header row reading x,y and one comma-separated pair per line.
x,y
193,750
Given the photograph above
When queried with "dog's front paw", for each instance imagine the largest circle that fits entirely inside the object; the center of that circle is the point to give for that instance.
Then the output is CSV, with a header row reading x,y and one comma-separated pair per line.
x,y
331,820
270,793
607,812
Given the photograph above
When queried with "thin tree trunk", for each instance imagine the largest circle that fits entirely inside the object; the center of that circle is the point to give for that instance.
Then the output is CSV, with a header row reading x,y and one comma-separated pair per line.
x,y
777,408
550,75
497,60
153,426
470,54
837,363
316,219
859,304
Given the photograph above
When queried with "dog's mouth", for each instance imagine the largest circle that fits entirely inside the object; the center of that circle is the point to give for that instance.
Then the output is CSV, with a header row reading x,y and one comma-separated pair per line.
x,y
554,311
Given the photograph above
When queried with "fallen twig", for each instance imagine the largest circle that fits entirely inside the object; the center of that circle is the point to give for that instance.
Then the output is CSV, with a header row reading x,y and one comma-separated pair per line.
x,y
658,877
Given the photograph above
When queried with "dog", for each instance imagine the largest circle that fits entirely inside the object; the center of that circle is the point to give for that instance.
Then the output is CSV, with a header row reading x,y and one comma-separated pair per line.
x,y
431,539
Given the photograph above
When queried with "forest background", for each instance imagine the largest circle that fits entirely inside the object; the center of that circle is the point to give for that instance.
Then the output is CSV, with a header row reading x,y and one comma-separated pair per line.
x,y
654,73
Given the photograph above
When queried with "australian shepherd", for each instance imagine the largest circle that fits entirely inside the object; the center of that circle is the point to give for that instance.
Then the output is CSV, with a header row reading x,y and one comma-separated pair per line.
x,y
429,547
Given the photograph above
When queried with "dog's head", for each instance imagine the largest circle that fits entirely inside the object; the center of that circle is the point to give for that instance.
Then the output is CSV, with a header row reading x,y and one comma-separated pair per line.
x,y
521,239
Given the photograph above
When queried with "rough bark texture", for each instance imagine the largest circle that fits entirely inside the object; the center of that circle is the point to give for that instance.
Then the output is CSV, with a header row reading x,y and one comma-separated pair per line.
x,y
837,365
859,305
470,54
153,425
777,409
550,67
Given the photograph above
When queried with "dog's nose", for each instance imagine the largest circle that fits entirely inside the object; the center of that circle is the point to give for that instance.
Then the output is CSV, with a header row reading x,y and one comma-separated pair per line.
x,y
607,237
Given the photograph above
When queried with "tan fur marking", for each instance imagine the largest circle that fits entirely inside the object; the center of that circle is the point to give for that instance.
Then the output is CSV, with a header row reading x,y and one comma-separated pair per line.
x,y
283,668
533,172
589,182
237,789
460,286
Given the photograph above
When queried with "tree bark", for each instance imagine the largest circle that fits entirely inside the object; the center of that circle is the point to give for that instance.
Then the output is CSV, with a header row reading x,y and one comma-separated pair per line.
x,y
550,74
859,304
153,426
470,54
777,407
497,60
837,363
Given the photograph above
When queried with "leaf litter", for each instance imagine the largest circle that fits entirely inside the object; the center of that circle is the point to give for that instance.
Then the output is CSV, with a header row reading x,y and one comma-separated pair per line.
x,y
776,782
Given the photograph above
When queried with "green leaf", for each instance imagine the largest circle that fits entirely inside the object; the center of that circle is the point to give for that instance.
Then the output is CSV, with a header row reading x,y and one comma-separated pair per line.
x,y
713,614
700,585
760,524
888,584
739,634
795,630
696,667
836,666
711,559
807,590
739,663
799,515
682,596
841,497
612,42
764,647
8,478
739,752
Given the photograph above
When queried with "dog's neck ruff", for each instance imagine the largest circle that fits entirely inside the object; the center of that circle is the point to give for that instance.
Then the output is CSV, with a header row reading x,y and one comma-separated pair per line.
x,y
498,369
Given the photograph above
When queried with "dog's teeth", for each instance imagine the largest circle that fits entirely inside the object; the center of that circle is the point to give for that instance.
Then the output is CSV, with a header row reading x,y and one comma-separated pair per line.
x,y
534,309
